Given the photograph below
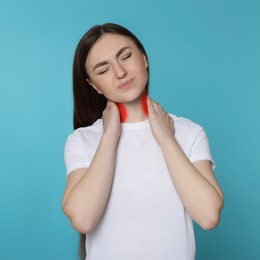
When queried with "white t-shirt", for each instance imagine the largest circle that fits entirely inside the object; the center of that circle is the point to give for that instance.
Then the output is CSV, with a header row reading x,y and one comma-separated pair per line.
x,y
144,218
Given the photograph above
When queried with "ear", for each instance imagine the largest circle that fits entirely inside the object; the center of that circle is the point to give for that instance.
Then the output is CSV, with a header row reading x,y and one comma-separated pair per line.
x,y
91,84
145,61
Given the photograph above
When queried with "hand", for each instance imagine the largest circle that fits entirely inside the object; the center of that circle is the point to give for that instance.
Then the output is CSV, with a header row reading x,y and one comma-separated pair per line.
x,y
161,123
111,119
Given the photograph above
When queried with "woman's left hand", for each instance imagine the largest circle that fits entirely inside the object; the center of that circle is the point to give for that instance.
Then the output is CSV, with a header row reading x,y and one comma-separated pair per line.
x,y
161,123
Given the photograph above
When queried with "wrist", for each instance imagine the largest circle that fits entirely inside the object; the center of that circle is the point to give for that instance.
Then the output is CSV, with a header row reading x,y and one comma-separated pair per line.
x,y
169,140
110,136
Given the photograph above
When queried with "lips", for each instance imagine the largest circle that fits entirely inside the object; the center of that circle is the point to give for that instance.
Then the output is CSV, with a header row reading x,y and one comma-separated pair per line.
x,y
126,84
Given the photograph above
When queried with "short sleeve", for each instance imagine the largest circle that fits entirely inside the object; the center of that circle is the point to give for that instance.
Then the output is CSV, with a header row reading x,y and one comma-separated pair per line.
x,y
74,154
200,149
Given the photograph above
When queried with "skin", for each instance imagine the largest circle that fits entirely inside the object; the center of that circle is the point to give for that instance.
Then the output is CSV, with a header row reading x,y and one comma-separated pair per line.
x,y
123,110
118,70
87,190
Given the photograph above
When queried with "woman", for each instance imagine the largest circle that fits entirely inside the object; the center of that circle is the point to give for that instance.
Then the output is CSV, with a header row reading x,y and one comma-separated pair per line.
x,y
137,176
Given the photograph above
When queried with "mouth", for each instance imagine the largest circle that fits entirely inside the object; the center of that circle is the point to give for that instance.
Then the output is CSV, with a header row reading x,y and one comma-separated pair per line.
x,y
126,84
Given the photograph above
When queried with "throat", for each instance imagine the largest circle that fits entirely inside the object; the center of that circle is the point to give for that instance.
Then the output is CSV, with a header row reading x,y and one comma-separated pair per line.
x,y
144,104
123,112
134,113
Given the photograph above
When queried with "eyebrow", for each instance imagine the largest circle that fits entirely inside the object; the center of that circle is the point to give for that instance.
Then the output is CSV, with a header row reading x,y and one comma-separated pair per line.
x,y
102,63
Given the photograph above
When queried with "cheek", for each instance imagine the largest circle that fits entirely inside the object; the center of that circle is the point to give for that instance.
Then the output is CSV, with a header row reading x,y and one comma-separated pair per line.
x,y
144,74
101,83
139,69
107,88
143,67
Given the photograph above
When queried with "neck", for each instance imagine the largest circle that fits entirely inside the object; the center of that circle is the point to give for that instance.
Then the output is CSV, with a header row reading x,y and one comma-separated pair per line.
x,y
135,111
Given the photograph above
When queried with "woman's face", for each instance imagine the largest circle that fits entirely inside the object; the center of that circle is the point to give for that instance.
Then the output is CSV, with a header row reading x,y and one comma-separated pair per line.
x,y
117,68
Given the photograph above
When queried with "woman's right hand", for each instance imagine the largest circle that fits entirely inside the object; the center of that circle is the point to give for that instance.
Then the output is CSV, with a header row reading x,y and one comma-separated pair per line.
x,y
87,190
111,119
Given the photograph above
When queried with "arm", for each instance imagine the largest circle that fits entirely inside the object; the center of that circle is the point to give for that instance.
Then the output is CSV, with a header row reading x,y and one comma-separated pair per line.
x,y
195,183
87,190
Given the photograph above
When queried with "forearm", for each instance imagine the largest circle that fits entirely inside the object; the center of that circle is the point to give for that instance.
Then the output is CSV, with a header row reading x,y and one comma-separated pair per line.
x,y
200,197
86,201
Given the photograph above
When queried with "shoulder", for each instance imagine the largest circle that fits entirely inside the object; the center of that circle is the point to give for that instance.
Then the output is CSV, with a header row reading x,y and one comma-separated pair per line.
x,y
186,126
88,131
81,145
192,138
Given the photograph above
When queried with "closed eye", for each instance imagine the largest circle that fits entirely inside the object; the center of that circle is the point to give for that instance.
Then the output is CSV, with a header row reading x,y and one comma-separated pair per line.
x,y
102,71
127,56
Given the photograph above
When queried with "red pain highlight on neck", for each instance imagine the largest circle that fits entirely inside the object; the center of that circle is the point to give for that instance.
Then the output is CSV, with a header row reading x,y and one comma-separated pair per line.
x,y
123,111
144,103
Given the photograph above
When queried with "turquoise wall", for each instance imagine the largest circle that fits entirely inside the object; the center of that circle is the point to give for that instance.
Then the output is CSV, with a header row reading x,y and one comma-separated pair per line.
x,y
205,61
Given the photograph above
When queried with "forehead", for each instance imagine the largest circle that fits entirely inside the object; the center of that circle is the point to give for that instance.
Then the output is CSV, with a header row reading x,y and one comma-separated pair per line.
x,y
108,45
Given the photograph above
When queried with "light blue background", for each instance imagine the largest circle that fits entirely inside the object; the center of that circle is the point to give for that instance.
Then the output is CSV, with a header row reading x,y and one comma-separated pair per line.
x,y
205,64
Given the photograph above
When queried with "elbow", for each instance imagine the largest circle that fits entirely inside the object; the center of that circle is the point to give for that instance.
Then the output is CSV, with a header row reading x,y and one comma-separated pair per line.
x,y
78,222
210,222
81,226
211,219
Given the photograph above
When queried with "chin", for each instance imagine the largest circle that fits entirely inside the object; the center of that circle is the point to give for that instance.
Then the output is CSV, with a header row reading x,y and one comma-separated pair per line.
x,y
133,96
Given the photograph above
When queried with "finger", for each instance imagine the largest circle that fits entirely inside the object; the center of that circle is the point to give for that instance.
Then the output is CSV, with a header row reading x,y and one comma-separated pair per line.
x,y
106,108
108,104
160,109
112,104
157,107
172,124
150,105
163,112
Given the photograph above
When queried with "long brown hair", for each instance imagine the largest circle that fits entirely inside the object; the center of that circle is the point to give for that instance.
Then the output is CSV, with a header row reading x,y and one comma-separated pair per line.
x,y
88,103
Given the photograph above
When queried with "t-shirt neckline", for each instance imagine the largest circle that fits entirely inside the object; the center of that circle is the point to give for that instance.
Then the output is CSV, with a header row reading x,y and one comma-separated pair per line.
x,y
136,125
130,126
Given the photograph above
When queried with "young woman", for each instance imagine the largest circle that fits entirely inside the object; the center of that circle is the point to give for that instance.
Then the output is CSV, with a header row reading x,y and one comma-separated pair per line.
x,y
137,176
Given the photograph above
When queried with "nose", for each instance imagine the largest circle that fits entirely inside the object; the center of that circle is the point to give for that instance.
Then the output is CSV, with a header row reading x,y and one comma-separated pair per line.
x,y
119,70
